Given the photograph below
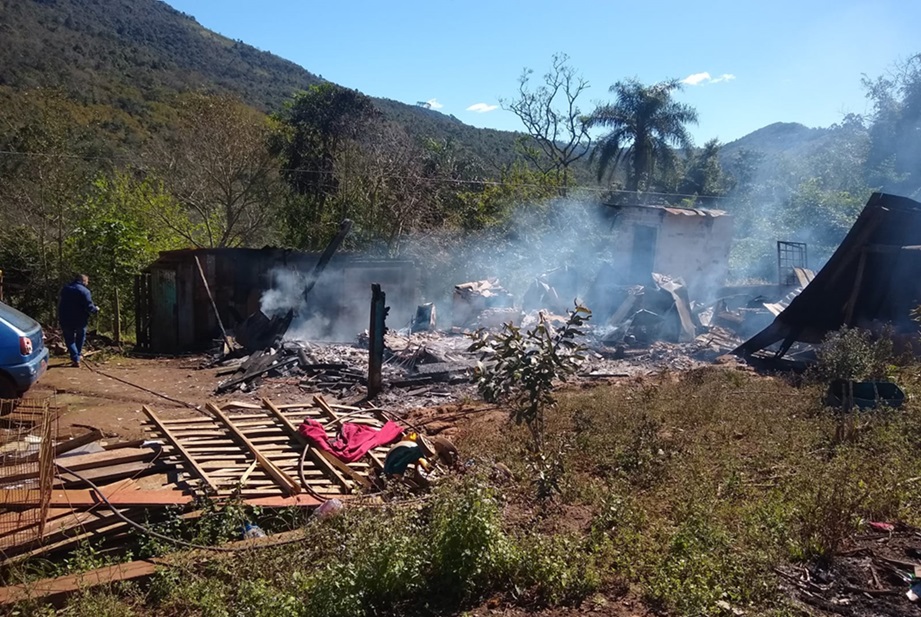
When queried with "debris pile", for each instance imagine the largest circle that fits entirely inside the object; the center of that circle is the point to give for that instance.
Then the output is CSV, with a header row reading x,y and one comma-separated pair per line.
x,y
318,454
55,494
880,574
410,360
483,304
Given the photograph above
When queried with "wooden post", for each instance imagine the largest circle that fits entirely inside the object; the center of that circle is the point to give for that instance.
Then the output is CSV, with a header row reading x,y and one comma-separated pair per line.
x,y
117,326
213,305
376,339
137,312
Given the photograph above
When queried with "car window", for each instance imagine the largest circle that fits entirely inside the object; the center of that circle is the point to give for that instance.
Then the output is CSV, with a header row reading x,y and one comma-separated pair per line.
x,y
17,319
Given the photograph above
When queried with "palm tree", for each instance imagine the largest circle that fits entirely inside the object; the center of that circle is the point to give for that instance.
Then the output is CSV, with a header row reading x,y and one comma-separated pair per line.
x,y
646,124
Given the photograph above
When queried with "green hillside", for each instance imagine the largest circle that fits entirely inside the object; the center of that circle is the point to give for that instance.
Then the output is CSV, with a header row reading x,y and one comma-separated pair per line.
x,y
133,55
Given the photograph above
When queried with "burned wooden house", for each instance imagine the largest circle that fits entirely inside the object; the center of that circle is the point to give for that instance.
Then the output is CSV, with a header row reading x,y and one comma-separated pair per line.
x,y
175,315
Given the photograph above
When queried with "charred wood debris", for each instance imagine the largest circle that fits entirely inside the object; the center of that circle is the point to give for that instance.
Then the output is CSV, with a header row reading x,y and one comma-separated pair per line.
x,y
648,328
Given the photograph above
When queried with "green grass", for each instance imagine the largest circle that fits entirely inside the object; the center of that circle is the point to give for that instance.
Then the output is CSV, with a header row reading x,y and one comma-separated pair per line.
x,y
700,486
684,492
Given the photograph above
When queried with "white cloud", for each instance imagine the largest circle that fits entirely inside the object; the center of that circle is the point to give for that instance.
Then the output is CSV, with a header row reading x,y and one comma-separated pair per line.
x,y
696,79
700,79
482,108
434,104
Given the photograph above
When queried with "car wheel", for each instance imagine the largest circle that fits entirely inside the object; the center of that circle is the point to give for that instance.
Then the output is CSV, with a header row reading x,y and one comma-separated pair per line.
x,y
8,389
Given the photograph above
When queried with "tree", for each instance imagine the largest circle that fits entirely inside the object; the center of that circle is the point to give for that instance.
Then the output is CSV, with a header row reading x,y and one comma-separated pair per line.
x,y
314,124
312,132
46,165
703,174
558,131
521,368
895,128
219,168
118,234
383,179
645,124
494,204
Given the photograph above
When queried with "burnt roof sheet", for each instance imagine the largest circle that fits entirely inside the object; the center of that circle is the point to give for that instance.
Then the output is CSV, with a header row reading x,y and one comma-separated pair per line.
x,y
872,276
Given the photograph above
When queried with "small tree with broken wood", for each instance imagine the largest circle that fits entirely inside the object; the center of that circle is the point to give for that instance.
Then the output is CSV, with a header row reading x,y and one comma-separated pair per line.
x,y
520,368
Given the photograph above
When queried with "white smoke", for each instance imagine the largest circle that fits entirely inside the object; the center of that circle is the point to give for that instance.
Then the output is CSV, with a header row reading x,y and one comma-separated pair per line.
x,y
286,293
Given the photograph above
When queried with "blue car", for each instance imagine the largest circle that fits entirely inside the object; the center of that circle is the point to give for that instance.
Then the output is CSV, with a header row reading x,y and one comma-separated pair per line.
x,y
23,356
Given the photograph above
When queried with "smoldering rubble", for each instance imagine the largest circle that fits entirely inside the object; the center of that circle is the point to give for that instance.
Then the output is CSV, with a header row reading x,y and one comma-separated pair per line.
x,y
642,322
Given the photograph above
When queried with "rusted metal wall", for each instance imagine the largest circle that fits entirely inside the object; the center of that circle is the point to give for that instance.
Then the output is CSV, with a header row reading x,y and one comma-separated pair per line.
x,y
182,318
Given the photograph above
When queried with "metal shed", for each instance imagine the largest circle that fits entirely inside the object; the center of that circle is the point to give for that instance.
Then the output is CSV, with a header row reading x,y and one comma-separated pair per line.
x,y
174,314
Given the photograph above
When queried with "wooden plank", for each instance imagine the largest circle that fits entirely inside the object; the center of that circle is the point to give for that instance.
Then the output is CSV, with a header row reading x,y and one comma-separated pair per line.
x,y
51,590
102,475
70,541
78,442
249,376
61,448
288,485
240,405
88,498
313,453
88,461
28,539
54,589
301,501
321,403
213,426
242,417
137,443
246,475
331,458
188,459
217,314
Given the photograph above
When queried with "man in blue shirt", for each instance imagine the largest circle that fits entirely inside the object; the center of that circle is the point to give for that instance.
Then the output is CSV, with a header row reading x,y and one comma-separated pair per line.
x,y
74,312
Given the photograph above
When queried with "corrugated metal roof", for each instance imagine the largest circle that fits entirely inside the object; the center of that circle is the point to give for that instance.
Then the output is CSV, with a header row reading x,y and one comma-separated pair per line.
x,y
674,210
694,212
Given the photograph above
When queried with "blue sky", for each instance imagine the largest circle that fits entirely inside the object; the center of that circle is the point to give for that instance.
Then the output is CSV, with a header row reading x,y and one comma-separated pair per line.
x,y
790,61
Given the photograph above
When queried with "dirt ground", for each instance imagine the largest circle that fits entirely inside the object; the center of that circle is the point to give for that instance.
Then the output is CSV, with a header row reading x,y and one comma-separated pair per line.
x,y
600,605
98,395
91,398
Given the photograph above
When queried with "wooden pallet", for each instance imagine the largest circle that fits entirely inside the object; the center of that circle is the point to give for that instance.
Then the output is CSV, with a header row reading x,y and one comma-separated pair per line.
x,y
253,450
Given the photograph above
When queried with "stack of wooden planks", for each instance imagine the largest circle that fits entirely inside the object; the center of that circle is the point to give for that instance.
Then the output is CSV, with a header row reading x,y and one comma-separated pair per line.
x,y
246,451
255,451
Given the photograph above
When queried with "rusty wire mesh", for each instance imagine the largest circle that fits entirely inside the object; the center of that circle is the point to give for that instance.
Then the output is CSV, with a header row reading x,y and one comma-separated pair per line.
x,y
28,430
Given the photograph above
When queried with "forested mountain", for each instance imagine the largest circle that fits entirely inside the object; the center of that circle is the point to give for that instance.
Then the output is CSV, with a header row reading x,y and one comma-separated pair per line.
x,y
780,138
133,55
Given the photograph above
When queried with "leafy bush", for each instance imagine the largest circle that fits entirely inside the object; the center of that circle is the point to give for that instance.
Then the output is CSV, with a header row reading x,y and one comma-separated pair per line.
x,y
470,553
852,354
697,569
520,369
379,565
551,574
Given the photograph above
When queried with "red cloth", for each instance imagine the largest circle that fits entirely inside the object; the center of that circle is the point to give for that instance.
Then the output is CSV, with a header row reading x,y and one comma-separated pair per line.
x,y
354,439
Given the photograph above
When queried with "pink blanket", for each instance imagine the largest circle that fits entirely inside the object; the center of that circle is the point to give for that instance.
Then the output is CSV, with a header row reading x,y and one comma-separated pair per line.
x,y
354,439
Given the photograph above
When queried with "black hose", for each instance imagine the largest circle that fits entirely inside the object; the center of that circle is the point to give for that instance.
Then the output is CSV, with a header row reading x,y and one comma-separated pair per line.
x,y
160,536
300,473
